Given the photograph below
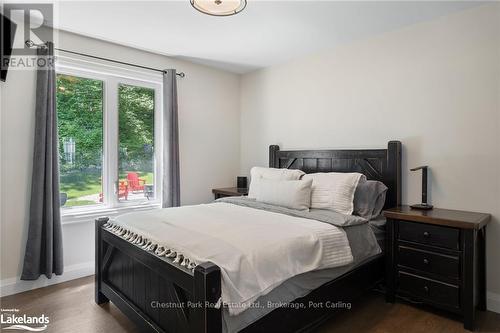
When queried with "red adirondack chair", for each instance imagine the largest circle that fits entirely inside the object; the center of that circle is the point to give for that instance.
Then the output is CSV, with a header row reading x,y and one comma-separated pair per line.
x,y
135,183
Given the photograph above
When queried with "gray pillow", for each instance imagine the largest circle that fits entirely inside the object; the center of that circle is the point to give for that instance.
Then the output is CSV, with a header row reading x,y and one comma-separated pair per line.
x,y
369,199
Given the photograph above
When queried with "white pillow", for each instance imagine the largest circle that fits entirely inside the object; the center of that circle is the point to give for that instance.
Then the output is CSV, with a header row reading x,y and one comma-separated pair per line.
x,y
294,194
258,173
334,190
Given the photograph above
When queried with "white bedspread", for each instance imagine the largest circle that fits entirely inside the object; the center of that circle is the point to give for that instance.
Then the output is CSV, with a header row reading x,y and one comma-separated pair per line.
x,y
256,250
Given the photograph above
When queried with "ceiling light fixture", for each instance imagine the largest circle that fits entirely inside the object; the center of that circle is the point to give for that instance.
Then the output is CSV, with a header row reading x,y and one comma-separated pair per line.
x,y
219,7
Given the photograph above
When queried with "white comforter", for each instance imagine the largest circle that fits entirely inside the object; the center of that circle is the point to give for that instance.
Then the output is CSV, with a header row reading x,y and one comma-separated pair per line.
x,y
256,250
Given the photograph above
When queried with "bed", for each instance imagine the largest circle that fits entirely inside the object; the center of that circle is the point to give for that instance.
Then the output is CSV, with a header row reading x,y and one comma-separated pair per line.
x,y
147,287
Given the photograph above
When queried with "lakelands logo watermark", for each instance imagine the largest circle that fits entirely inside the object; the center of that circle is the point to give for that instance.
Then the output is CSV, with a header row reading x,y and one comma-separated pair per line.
x,y
12,319
27,26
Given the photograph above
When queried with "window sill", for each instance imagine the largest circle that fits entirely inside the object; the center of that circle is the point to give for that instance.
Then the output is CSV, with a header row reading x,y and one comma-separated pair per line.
x,y
88,215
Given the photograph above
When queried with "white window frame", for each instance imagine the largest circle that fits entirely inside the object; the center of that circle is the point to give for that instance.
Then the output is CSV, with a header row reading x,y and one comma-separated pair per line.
x,y
112,76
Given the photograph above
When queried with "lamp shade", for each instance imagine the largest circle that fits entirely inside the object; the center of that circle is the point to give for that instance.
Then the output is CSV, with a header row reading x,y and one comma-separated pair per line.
x,y
219,7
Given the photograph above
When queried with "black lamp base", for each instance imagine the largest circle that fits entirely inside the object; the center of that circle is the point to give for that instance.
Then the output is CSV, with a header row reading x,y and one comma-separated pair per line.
x,y
422,206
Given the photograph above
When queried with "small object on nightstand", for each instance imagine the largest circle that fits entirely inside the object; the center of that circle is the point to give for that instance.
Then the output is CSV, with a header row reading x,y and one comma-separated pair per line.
x,y
424,205
437,257
241,182
229,192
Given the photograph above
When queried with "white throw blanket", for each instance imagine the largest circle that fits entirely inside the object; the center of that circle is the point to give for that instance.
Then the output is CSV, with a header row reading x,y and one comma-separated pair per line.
x,y
256,250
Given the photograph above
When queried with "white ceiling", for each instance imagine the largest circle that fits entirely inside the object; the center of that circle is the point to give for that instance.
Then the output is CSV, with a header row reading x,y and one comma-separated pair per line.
x,y
264,34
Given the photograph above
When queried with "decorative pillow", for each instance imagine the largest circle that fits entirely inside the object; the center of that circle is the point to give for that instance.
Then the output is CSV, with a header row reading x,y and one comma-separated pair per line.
x,y
293,194
334,190
369,198
258,173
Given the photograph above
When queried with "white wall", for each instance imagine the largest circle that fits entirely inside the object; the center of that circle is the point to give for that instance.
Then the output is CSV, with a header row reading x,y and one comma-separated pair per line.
x,y
434,86
209,149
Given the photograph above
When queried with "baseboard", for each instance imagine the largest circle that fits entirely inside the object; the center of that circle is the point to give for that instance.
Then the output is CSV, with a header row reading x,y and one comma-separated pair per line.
x,y
493,302
14,285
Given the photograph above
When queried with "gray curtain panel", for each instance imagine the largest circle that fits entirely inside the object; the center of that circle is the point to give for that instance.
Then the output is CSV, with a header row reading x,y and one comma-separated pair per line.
x,y
171,179
44,250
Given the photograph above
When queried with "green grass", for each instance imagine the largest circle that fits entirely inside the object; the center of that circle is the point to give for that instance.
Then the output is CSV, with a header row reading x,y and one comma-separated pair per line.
x,y
79,184
76,203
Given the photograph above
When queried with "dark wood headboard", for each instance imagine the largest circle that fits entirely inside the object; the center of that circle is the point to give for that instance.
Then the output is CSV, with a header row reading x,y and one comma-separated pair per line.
x,y
376,164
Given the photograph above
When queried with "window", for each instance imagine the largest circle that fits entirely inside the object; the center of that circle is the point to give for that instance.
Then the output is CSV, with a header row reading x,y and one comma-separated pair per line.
x,y
80,125
108,137
136,141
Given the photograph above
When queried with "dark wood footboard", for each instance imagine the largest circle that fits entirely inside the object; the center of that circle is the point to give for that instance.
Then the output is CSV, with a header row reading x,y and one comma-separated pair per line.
x,y
156,294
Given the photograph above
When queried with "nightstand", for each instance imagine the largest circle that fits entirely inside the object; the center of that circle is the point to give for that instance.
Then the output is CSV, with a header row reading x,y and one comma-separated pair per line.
x,y
437,257
229,192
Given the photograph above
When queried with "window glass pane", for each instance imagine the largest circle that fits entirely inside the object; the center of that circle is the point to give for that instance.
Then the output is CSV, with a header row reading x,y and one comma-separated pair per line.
x,y
80,126
136,107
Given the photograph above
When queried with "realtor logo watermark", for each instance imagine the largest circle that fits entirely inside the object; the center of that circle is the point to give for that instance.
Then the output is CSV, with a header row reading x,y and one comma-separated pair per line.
x,y
25,22
12,319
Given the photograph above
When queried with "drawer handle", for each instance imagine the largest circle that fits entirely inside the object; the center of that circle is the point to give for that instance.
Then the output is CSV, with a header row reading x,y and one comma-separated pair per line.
x,y
426,289
426,234
426,261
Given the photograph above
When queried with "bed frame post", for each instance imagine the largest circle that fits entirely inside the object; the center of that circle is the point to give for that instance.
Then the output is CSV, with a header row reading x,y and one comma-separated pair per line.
x,y
273,149
394,173
207,292
99,251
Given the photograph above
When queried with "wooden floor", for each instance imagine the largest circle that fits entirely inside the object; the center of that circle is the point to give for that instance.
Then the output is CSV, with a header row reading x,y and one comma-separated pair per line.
x,y
71,308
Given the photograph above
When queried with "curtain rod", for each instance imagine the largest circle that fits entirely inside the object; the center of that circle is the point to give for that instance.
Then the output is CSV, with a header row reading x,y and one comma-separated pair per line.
x,y
30,43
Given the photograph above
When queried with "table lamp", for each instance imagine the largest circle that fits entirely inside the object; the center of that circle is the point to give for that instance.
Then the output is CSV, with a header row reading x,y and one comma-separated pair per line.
x,y
424,205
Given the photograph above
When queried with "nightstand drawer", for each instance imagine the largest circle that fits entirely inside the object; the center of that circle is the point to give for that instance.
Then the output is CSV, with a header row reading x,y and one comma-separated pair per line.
x,y
427,261
430,290
429,234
